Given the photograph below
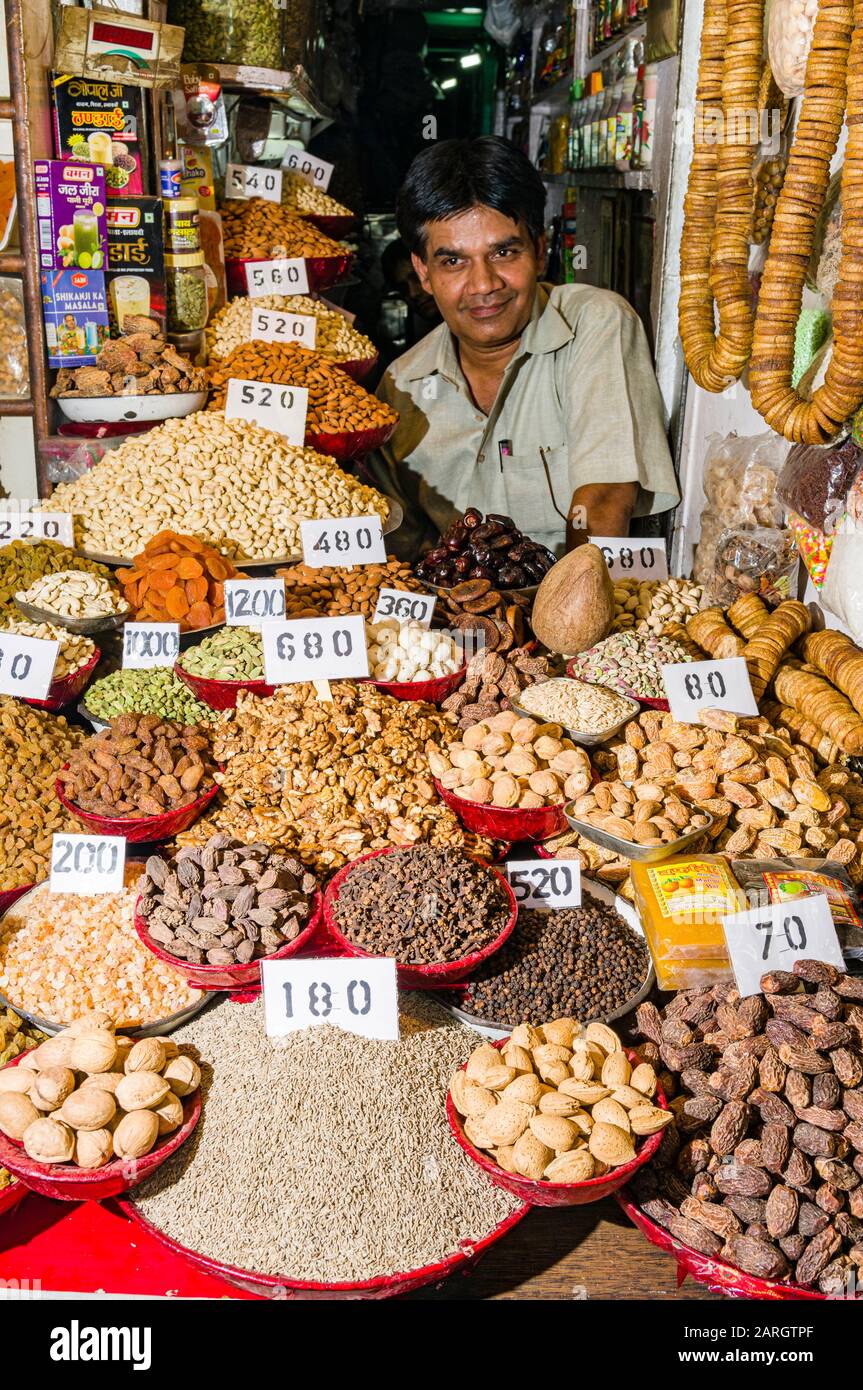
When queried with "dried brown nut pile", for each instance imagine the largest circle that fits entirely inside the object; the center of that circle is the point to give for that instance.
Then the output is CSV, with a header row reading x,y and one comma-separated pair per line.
x,y
474,606
261,229
226,903
424,905
491,681
139,363
140,765
557,1103
336,402
131,1094
509,761
764,1165
311,593
33,747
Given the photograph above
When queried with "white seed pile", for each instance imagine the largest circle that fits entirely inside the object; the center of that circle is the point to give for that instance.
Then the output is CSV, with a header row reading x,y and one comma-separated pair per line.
x,y
336,338
324,1155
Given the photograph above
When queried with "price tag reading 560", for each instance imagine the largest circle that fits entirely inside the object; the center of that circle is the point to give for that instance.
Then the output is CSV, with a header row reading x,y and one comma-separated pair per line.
x,y
150,644
343,541
775,936
551,883
312,649
359,996
287,275
692,686
87,863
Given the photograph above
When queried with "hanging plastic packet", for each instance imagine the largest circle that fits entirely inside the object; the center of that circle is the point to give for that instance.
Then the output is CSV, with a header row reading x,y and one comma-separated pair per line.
x,y
788,880
200,106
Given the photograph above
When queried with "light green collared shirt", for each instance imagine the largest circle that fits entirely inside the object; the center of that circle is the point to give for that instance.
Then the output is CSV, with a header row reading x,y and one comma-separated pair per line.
x,y
578,404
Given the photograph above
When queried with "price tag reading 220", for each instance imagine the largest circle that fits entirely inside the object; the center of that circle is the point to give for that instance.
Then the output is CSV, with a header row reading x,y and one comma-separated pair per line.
x,y
311,649
343,541
87,863
551,883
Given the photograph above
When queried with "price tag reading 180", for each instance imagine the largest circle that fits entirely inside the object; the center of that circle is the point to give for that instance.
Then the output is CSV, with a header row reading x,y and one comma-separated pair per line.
x,y
631,557
315,171
343,541
551,883
272,326
26,665
406,607
282,276
773,937
692,686
150,644
249,602
279,408
312,649
359,996
253,181
87,863
35,526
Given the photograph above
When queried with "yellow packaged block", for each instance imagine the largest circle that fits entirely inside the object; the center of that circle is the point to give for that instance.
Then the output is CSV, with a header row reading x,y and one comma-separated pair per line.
x,y
682,902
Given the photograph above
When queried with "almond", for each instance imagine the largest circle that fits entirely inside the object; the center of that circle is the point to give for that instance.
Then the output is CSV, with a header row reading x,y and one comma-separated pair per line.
x,y
558,1103
649,1119
611,1145
610,1112
554,1131
562,1031
526,1036
643,1079
528,1089
505,1122
517,1057
575,1166
467,1097
603,1036
530,1156
616,1069
588,1092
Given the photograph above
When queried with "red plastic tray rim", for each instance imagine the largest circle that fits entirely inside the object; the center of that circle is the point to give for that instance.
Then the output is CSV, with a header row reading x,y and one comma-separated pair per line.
x,y
128,826
68,688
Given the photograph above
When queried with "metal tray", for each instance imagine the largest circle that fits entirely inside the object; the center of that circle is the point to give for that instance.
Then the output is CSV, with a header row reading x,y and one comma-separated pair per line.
x,y
584,739
628,849
86,627
97,722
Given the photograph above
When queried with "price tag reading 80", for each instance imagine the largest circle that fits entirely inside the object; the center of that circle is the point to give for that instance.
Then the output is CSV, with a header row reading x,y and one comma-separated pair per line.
x,y
27,665
312,649
631,557
692,686
146,645
550,883
286,275
87,863
404,606
359,996
774,936
343,542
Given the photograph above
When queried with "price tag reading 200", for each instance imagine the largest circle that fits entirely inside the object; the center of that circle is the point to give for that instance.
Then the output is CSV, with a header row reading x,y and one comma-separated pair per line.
x,y
343,541
692,686
311,649
150,644
546,883
87,863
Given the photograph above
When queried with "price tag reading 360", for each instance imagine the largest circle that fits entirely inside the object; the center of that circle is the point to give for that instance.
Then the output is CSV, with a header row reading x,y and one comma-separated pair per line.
x,y
286,275
549,883
343,541
279,408
249,602
633,557
315,649
359,996
773,937
404,606
272,326
692,686
27,665
146,645
87,863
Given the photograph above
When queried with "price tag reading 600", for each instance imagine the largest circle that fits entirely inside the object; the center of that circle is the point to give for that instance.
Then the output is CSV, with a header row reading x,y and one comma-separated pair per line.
x,y
343,542
310,649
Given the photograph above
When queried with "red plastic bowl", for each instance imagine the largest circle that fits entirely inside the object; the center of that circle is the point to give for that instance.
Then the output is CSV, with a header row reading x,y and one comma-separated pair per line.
x,y
230,977
11,1195
8,896
717,1275
63,692
540,1193
358,368
432,691
322,271
336,225
69,1184
221,694
140,829
349,444
415,976
506,822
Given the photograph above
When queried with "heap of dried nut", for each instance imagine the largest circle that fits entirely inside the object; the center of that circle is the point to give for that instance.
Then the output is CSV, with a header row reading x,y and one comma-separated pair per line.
x,y
74,594
558,1103
764,1165
648,604
510,761
474,606
139,362
86,1095
329,592
226,903
491,681
141,765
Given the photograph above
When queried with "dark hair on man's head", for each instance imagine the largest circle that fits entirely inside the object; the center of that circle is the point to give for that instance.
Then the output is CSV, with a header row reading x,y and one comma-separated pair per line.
x,y
453,176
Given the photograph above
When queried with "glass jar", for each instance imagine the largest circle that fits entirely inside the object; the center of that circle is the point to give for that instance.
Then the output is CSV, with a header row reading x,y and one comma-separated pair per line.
x,y
245,32
186,283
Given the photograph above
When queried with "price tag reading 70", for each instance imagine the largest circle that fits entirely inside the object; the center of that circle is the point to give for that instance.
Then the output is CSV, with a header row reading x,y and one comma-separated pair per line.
x,y
693,686
774,936
311,649
553,883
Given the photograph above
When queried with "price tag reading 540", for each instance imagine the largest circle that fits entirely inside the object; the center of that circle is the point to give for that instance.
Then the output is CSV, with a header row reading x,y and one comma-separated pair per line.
x,y
359,996
87,863
343,542
775,936
552,883
692,686
312,649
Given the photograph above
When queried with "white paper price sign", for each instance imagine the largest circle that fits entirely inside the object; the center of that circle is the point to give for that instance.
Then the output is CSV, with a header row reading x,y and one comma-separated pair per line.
x,y
26,665
315,649
343,541
35,526
253,181
283,276
773,937
150,644
359,996
315,171
633,557
692,686
249,602
546,883
279,408
271,326
406,607
87,863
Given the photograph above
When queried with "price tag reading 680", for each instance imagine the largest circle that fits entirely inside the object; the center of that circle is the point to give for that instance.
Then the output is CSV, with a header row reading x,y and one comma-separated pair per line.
x,y
692,686
359,996
633,557
343,541
87,863
312,649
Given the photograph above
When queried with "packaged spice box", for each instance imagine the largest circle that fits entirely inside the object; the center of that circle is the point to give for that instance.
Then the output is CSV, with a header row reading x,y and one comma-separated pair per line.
x,y
136,261
100,123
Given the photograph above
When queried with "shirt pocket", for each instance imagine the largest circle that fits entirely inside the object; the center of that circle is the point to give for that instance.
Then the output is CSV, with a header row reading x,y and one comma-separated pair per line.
x,y
530,499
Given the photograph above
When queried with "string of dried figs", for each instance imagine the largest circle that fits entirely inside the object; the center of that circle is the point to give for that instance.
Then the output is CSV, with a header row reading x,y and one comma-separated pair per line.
x,y
558,1103
88,1095
763,1166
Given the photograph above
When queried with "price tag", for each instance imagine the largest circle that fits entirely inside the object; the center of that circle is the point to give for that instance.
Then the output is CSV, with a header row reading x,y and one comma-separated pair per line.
x,y
314,171
87,863
359,996
271,326
253,181
249,602
773,937
692,686
314,649
633,557
279,408
545,883
283,276
150,644
36,526
343,541
26,665
407,607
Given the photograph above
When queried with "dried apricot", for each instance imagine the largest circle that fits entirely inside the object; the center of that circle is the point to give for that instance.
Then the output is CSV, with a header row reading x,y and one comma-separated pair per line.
x,y
163,580
196,589
199,615
218,568
176,603
163,562
189,568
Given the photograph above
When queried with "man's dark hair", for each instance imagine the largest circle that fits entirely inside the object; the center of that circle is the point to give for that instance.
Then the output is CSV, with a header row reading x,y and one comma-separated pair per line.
x,y
453,176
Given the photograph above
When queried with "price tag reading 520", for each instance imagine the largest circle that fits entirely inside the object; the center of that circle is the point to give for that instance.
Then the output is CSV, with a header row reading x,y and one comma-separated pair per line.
x,y
272,326
87,863
773,937
359,996
279,408
311,649
692,686
551,883
343,541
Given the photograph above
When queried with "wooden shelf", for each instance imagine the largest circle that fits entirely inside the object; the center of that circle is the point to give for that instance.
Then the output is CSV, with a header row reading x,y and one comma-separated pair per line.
x,y
11,263
16,405
634,31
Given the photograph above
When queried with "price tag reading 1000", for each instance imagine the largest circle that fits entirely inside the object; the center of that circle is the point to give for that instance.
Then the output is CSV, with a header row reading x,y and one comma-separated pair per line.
x,y
311,649
146,645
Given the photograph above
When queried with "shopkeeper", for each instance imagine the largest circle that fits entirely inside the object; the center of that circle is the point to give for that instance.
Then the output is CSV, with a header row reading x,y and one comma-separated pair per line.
x,y
536,401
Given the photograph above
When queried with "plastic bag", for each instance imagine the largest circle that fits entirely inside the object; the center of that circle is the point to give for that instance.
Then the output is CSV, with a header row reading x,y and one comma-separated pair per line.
x,y
813,547
14,366
823,270
815,480
758,560
789,26
740,485
842,592
766,881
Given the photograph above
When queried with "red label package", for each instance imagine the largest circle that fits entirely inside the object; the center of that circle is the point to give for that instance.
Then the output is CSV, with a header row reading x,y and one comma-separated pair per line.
x,y
100,123
136,259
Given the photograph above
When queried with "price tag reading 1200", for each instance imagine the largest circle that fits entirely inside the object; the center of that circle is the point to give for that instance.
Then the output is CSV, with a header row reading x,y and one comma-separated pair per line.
x,y
551,883
313,649
359,996
692,686
631,557
286,275
404,606
343,541
249,602
26,665
773,937
87,863
150,644
279,408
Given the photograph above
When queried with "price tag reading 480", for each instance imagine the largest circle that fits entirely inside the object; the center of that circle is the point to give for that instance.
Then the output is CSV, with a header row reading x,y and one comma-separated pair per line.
x,y
550,883
343,541
773,937
312,649
150,644
359,996
692,686
87,863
